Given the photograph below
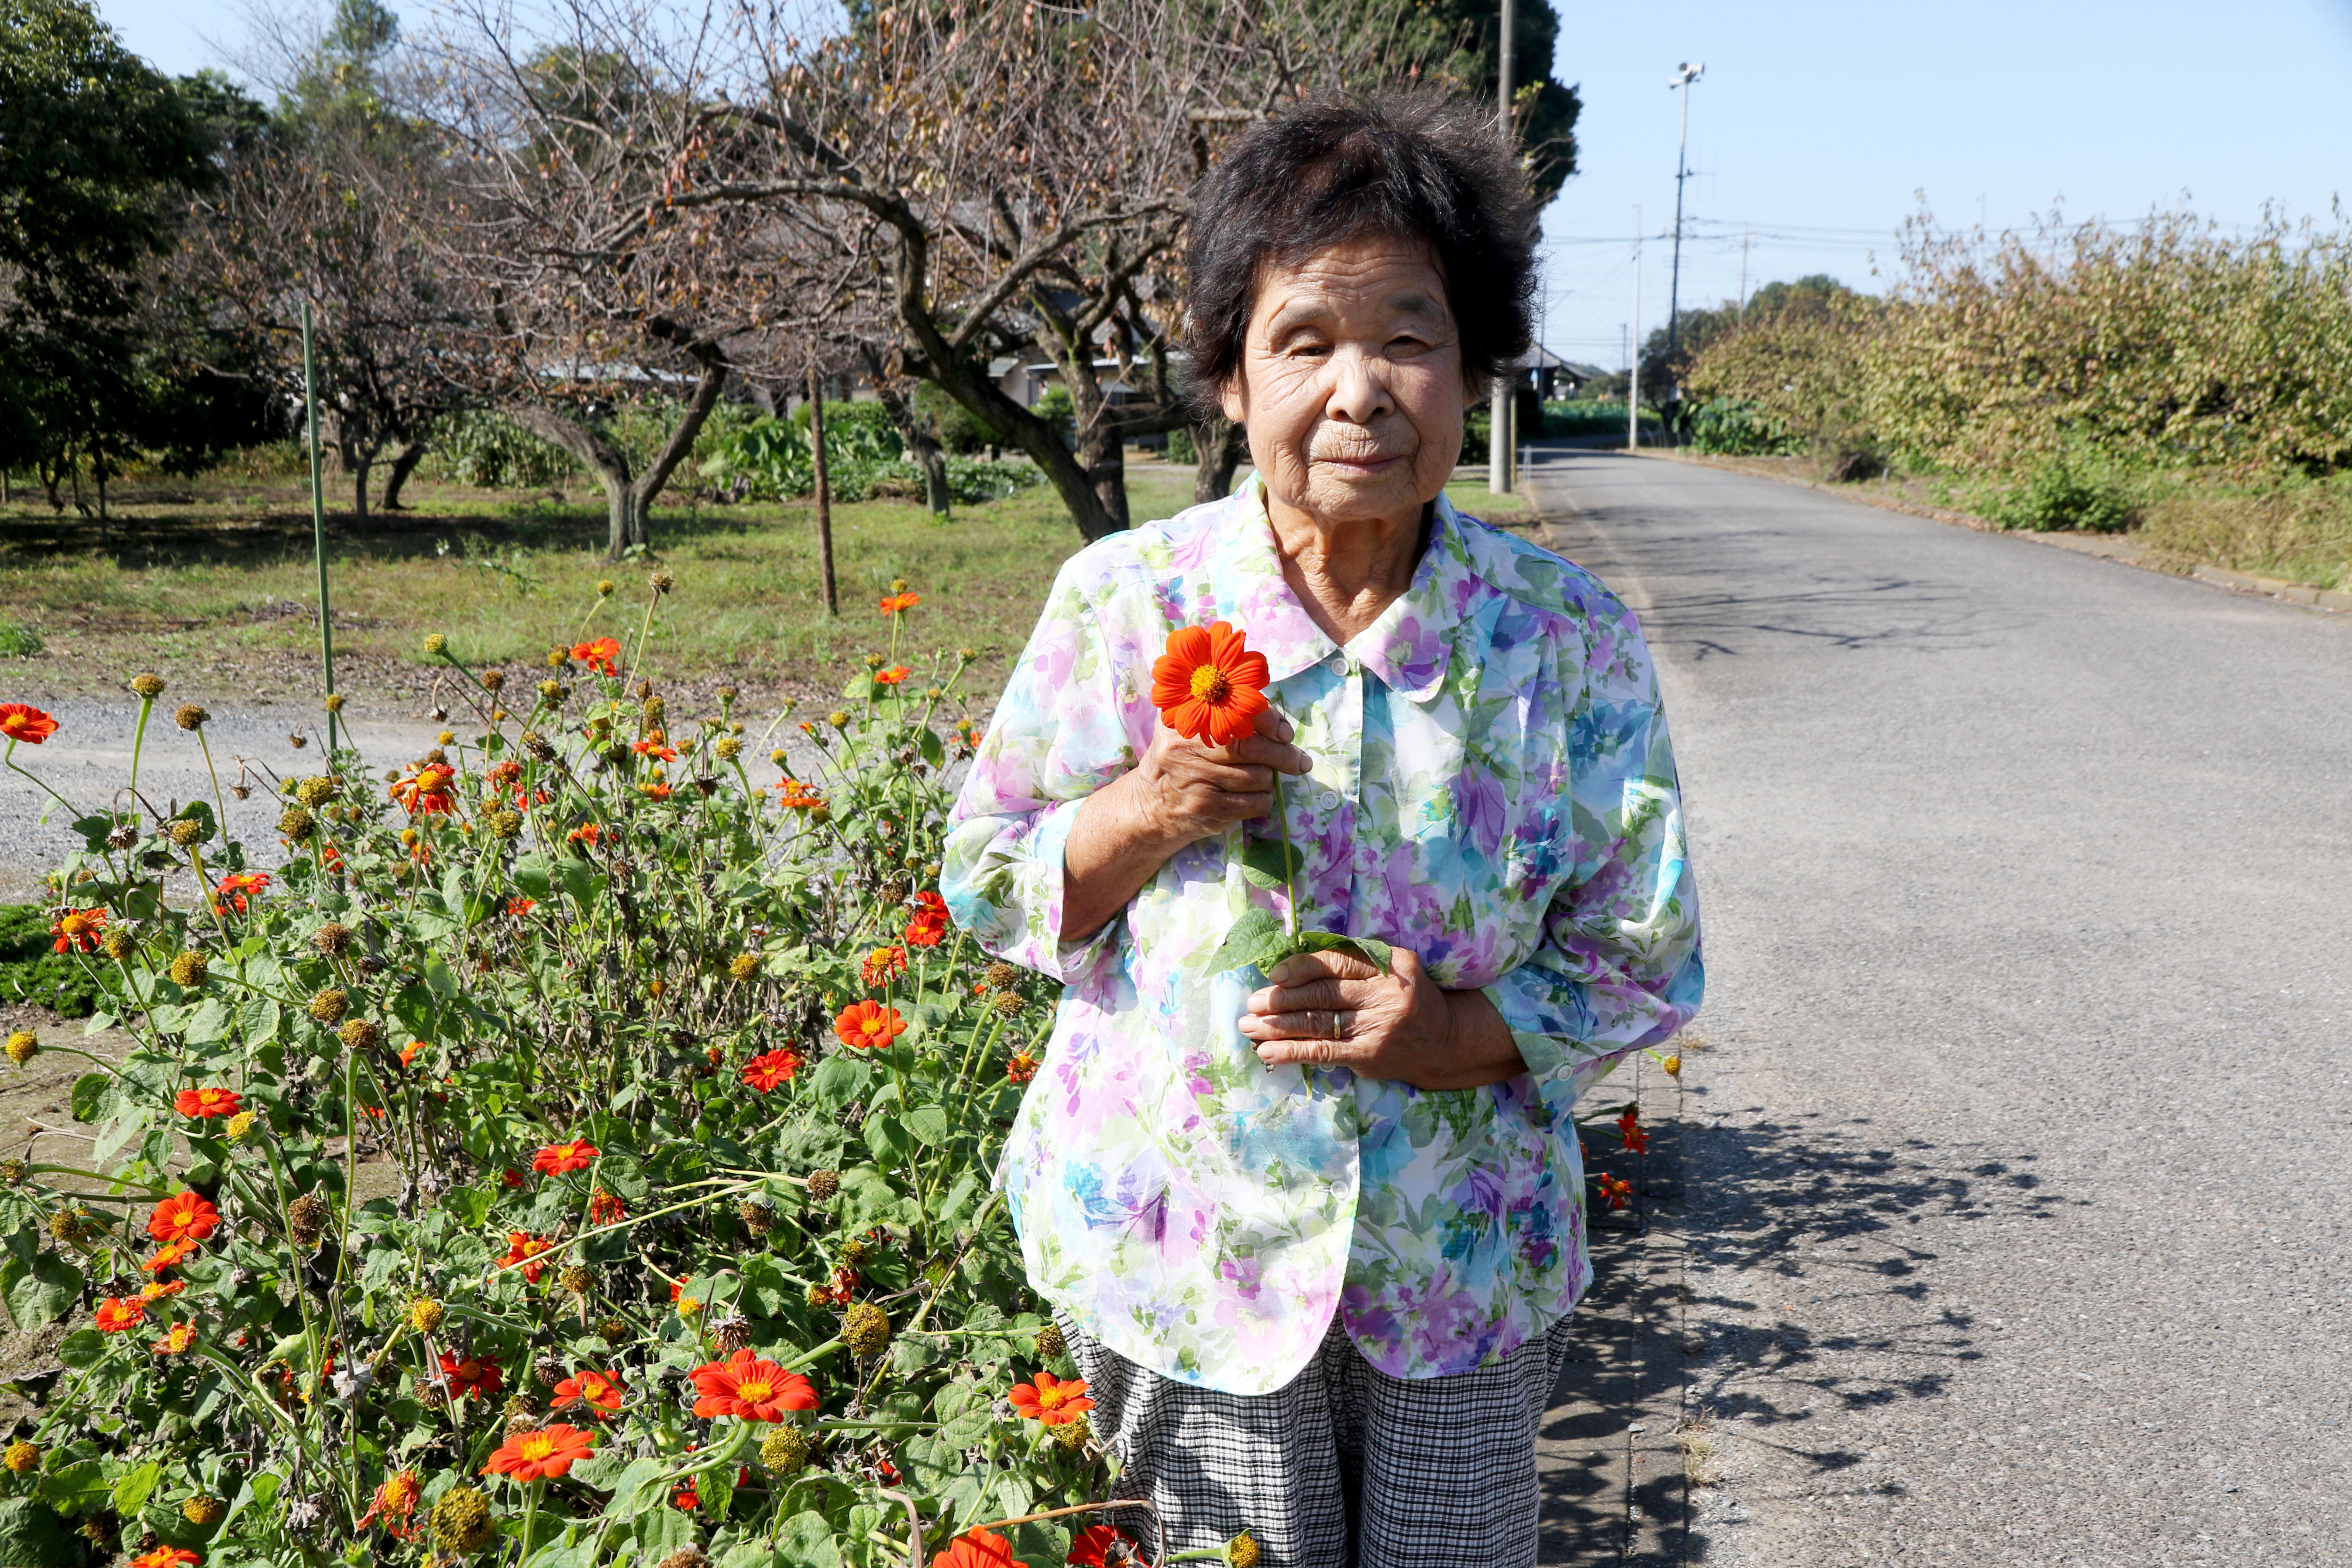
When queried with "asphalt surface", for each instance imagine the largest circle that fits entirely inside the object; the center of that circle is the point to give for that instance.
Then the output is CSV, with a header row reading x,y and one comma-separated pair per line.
x,y
2017,1219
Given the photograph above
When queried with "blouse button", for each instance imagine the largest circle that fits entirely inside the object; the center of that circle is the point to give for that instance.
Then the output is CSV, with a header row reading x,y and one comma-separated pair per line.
x,y
1337,664
1327,800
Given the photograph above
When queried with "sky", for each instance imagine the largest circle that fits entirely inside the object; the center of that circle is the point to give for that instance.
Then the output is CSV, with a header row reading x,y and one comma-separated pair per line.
x,y
1820,126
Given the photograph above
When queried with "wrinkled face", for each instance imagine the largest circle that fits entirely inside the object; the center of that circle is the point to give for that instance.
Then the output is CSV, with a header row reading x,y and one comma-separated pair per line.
x,y
1350,382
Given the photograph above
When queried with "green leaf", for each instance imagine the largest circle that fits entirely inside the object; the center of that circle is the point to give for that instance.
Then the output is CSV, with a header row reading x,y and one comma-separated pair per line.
x,y
90,1091
1371,949
928,1123
533,878
259,1017
207,1022
1256,939
716,1488
637,1487
1270,863
33,1536
887,1136
40,1292
76,1488
838,1079
132,1488
82,1348
806,1542
438,978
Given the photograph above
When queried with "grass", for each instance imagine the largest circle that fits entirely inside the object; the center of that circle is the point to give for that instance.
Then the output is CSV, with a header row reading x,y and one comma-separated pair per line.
x,y
31,971
2301,531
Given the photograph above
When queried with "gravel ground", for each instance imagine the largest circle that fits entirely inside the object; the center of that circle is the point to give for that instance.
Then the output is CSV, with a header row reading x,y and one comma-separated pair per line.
x,y
2016,1224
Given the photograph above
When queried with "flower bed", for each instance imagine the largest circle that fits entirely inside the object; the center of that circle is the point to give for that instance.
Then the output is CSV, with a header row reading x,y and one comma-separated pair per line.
x,y
685,1096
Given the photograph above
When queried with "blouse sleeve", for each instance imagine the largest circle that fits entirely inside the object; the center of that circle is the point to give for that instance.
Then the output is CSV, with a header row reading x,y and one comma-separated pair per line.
x,y
1060,734
1620,965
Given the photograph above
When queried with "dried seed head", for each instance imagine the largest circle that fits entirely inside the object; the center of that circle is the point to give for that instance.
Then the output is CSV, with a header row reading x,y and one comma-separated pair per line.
x,y
1674,1066
333,939
148,686
728,694
1071,1436
894,891
425,1314
662,582
785,1450
24,1046
726,748
494,680
116,945
191,717
655,709
539,745
577,1278
838,719
305,1219
855,1252
731,1333
613,1331
758,1218
823,1185
1001,975
204,1512
778,756
1006,1004
687,1556
14,1172
122,837
461,1520
506,824
297,825
329,1005
314,790
186,833
189,971
22,1457
873,662
334,702
1049,1342
866,1330
436,645
743,965
604,587
360,1034
72,1225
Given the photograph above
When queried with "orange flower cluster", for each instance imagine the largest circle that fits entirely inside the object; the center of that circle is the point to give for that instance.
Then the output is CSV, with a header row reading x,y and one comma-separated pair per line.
x,y
425,789
232,888
654,744
595,1392
1618,1191
78,930
892,676
746,1386
766,1072
542,1455
1628,1127
1050,1400
117,1314
529,1252
898,604
207,1102
602,656
605,1207
930,924
868,1025
1208,686
883,965
1021,1068
558,1158
587,832
395,1499
166,1557
798,796
184,1217
22,722
519,905
180,1338
978,1549
472,1376
1091,1547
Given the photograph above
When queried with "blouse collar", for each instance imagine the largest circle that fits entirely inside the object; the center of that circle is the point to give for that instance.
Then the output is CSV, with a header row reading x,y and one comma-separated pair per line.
x,y
1409,647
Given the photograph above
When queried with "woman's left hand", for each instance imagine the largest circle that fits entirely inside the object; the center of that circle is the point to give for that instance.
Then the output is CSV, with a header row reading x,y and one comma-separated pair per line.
x,y
1333,1009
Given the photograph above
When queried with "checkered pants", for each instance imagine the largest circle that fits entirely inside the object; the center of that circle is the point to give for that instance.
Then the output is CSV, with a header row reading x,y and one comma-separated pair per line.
x,y
1345,1468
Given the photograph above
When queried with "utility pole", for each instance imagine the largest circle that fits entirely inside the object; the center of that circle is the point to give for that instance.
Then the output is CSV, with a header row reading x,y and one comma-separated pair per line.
x,y
1743,273
1683,77
1500,404
1633,361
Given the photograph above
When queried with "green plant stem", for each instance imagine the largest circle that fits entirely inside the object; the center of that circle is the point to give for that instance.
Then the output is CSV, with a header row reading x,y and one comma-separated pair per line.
x,y
138,747
1289,868
220,801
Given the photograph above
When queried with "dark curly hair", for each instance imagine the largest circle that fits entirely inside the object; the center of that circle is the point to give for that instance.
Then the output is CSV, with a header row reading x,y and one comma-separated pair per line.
x,y
1421,166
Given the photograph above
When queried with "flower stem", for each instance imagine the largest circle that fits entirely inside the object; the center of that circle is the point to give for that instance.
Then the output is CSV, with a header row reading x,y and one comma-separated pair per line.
x,y
1289,883
138,744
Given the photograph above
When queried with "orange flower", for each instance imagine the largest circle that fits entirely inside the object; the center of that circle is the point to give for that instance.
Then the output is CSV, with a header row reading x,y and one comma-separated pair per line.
x,y
542,1455
655,744
688,1497
883,965
470,1376
1021,1068
931,921
411,1051
165,1557
182,1216
602,655
765,1071
77,929
604,1207
524,1248
1618,1192
156,1289
519,906
587,832
117,1314
1090,1548
426,789
19,722
396,1499
558,1158
208,1103
655,791
597,1391
182,1336
1208,686
898,604
747,1386
892,676
677,1285
232,890
1628,1127
868,1025
168,1256
1050,1400
978,1549
798,796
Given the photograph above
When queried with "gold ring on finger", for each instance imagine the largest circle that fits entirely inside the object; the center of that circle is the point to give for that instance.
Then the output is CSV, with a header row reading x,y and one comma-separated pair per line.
x,y
1336,1033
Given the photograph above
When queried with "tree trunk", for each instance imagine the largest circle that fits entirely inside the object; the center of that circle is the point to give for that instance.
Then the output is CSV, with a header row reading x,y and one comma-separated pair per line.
x,y
823,494
599,457
401,467
707,389
1220,443
361,465
915,431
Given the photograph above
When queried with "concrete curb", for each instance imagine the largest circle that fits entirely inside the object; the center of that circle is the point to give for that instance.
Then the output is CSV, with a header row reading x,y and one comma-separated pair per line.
x,y
2107,547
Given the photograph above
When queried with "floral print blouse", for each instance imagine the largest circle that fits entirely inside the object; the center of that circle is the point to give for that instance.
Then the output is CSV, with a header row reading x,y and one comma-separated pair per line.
x,y
1493,789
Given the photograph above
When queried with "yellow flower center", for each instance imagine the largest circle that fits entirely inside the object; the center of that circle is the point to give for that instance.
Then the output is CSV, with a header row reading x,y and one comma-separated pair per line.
x,y
13,723
751,1390
537,1445
1210,685
74,925
1052,1398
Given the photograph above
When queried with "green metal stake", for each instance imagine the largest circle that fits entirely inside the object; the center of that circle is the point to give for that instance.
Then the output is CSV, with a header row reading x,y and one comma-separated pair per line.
x,y
319,528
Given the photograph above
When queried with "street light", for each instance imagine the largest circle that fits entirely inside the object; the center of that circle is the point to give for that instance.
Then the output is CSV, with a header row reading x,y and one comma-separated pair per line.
x,y
1684,75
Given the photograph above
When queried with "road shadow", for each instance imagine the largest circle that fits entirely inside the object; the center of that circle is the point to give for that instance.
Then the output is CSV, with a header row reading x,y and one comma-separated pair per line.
x,y
1784,1267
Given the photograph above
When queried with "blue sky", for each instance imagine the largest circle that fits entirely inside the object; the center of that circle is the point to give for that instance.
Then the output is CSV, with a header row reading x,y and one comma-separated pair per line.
x,y
1815,124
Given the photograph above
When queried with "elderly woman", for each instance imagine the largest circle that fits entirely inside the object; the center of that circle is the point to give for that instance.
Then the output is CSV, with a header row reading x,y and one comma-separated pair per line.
x,y
1315,1259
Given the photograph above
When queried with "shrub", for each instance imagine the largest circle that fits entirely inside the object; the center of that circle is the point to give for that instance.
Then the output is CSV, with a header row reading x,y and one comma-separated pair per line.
x,y
959,431
662,1074
484,448
2059,494
1733,426
19,641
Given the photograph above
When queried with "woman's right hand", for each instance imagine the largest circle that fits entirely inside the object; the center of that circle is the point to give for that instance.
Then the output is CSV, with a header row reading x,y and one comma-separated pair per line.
x,y
1178,793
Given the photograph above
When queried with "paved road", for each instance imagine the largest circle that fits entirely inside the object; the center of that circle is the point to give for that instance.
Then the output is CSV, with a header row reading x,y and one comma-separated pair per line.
x,y
2017,1219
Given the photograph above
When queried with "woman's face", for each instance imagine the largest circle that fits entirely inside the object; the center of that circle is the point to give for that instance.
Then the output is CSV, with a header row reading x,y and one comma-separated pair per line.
x,y
1350,383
